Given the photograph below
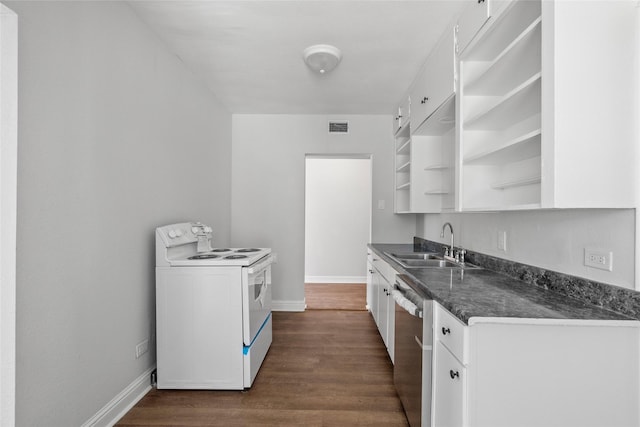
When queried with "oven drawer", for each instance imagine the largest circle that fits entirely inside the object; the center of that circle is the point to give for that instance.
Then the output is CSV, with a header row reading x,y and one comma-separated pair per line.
x,y
255,354
451,332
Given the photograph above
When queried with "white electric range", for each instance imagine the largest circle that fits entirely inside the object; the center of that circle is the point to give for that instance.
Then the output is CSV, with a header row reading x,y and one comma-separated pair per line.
x,y
213,310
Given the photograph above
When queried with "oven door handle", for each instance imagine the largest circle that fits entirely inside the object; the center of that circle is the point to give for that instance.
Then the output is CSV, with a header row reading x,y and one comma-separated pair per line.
x,y
263,292
264,262
422,346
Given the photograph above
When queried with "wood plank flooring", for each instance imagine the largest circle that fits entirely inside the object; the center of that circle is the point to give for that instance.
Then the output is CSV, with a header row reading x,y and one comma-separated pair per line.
x,y
325,368
336,296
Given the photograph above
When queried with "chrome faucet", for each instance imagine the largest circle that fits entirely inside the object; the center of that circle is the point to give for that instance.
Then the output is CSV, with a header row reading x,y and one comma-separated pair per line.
x,y
451,254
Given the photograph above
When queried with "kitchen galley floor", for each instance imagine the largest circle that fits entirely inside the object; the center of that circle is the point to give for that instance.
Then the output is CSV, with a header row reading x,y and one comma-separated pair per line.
x,y
326,367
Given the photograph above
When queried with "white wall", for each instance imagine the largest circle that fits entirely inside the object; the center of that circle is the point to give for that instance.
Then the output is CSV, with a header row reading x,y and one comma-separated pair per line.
x,y
337,219
268,186
550,239
115,138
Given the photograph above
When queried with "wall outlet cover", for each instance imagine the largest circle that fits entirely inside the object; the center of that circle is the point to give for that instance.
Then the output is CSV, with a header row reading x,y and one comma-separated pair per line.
x,y
598,258
142,348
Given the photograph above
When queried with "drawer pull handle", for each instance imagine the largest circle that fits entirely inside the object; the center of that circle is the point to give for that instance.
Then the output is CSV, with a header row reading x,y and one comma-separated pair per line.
x,y
454,375
445,331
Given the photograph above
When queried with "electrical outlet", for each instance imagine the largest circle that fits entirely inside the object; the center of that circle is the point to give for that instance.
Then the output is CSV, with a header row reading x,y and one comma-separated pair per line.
x,y
598,258
142,348
502,241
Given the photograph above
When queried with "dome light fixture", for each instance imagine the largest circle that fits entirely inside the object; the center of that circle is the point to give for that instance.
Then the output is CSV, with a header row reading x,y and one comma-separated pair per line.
x,y
322,58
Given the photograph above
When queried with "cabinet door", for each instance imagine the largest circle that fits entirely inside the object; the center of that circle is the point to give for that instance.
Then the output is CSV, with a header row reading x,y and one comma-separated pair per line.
x,y
435,82
369,284
474,16
383,309
449,404
420,95
375,299
391,323
403,113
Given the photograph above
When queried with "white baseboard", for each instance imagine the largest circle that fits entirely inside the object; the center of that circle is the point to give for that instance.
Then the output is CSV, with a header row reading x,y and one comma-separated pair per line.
x,y
288,305
122,402
335,279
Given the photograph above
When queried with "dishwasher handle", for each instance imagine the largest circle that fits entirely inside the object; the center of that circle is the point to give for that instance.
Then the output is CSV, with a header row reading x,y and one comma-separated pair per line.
x,y
405,303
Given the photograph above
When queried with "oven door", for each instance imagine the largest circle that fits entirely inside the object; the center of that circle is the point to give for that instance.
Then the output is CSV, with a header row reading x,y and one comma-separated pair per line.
x,y
256,297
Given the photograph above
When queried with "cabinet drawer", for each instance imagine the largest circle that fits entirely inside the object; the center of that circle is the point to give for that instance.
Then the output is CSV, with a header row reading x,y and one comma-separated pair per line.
x,y
449,404
451,332
384,269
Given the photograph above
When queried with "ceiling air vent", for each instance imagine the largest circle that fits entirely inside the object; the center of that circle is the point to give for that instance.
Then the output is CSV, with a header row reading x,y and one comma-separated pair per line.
x,y
338,127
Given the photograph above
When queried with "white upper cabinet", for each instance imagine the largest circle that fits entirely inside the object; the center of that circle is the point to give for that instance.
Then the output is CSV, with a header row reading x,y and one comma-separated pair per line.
x,y
425,147
474,16
435,82
500,125
403,168
546,111
403,114
589,103
545,94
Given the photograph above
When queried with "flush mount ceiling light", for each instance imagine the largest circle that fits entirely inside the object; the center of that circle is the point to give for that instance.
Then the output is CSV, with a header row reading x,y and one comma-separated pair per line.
x,y
322,58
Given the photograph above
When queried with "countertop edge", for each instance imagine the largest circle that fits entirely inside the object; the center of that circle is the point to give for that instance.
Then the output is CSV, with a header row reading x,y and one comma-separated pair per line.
x,y
621,320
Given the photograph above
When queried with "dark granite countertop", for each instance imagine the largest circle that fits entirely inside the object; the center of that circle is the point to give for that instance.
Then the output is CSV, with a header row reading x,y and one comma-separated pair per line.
x,y
483,293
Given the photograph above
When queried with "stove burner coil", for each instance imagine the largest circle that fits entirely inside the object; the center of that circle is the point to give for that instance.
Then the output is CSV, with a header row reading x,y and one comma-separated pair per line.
x,y
204,256
248,250
220,250
235,256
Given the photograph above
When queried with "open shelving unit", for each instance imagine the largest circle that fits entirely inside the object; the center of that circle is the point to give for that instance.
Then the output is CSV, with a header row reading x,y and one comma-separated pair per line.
x,y
434,161
500,114
402,202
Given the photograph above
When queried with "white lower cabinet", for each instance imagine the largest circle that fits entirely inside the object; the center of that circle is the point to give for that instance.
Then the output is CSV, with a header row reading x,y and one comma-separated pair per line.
x,y
535,372
383,319
449,388
382,305
369,280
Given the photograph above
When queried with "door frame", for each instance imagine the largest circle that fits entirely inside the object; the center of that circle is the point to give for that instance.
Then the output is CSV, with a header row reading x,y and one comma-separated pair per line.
x,y
8,210
343,156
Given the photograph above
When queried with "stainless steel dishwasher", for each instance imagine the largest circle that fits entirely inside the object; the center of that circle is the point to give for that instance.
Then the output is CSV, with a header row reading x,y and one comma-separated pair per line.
x,y
413,351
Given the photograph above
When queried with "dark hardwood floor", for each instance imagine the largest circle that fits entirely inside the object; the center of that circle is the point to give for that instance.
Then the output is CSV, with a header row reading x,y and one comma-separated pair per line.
x,y
325,368
336,296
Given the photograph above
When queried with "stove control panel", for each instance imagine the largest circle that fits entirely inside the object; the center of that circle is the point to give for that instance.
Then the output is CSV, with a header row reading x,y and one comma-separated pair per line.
x,y
182,233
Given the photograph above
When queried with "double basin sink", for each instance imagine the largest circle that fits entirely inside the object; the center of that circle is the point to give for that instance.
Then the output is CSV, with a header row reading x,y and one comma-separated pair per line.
x,y
426,260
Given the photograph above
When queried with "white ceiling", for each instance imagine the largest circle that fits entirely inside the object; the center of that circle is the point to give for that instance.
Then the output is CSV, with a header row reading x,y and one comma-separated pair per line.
x,y
250,52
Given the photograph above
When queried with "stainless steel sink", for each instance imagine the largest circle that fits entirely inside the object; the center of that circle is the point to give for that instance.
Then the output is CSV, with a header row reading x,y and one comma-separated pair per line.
x,y
435,263
414,255
426,260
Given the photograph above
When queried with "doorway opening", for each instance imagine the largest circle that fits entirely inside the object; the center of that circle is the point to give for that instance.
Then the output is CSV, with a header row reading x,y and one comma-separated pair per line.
x,y
338,194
